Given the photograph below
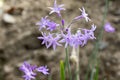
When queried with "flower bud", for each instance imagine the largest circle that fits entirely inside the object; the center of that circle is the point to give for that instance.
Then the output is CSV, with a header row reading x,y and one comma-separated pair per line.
x,y
73,56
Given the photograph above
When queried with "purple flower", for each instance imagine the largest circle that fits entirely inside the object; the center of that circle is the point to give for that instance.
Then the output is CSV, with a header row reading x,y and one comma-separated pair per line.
x,y
45,39
28,71
56,8
46,23
90,33
84,15
76,41
43,23
79,39
109,28
49,40
43,69
52,26
67,38
53,41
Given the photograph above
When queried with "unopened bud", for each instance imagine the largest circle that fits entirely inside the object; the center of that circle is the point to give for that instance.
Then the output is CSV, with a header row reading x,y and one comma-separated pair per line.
x,y
73,56
63,22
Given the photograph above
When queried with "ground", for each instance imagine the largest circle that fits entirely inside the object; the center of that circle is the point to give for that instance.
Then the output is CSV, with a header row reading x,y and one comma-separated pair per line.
x,y
19,43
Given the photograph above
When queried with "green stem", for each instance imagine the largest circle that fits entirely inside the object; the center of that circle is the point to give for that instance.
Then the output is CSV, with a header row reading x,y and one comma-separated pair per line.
x,y
49,78
68,64
99,38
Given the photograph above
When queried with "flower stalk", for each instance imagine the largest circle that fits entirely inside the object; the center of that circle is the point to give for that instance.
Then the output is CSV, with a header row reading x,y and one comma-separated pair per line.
x,y
78,64
68,64
75,58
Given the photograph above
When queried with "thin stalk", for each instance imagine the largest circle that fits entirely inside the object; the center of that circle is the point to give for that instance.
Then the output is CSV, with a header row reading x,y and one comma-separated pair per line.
x,y
78,64
75,58
96,48
92,75
67,64
49,78
96,71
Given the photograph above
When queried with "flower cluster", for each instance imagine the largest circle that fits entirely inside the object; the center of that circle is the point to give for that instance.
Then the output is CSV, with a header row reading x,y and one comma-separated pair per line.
x,y
46,23
64,34
30,70
79,38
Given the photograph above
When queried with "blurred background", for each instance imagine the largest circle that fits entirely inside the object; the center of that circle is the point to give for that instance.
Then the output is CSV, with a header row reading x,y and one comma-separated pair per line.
x,y
19,43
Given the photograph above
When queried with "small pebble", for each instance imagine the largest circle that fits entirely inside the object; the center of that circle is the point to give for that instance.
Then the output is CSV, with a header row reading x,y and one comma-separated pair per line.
x,y
7,18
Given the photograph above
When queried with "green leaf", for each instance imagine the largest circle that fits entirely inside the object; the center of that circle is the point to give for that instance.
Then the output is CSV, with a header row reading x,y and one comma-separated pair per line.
x,y
62,70
96,73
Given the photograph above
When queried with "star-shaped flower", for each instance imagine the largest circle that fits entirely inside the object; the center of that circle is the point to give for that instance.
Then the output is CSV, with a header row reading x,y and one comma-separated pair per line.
x,y
45,39
79,39
52,26
56,8
53,41
43,69
49,40
43,23
28,71
83,15
90,33
67,38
